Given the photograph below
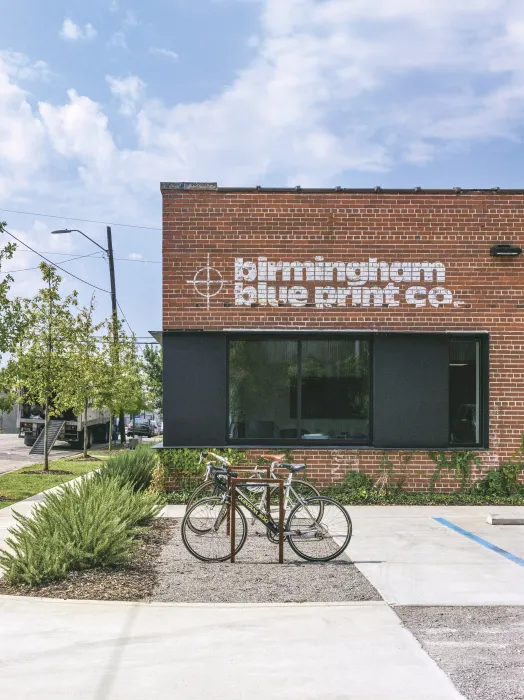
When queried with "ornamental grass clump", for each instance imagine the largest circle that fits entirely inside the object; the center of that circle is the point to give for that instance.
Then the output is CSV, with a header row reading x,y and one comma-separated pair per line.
x,y
133,467
91,523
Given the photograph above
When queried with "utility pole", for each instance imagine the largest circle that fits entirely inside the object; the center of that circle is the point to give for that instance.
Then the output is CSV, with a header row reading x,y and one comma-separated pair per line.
x,y
115,320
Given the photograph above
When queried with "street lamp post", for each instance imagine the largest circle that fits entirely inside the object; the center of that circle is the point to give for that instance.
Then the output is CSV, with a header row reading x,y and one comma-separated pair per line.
x,y
109,253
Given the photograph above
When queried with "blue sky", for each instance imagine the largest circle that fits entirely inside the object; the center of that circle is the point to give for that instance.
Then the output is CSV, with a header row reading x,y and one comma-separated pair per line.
x,y
100,101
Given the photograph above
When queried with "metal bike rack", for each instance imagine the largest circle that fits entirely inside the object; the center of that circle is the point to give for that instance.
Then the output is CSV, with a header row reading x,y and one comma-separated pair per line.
x,y
269,483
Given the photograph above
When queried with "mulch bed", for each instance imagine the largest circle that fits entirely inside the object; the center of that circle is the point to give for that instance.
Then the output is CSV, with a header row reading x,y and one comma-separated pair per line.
x,y
134,581
58,472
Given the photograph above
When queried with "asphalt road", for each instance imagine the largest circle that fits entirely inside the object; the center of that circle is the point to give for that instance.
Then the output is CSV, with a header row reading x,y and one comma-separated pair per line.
x,y
480,648
14,454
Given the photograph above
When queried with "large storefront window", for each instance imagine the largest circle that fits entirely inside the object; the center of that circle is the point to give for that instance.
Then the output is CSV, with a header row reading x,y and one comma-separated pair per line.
x,y
314,390
464,391
412,391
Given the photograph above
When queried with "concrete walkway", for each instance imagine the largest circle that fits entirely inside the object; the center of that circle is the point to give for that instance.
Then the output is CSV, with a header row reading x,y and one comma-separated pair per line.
x,y
412,559
117,651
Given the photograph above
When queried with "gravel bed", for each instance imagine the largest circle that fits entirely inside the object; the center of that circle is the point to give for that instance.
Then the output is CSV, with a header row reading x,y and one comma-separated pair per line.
x,y
480,648
256,577
133,581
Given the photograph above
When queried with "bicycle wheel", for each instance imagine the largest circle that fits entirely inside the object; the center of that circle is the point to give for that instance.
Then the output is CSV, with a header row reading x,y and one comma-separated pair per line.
x,y
319,540
300,489
207,489
205,530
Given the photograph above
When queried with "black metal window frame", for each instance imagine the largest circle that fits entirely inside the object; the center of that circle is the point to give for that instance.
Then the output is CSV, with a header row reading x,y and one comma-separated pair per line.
x,y
483,398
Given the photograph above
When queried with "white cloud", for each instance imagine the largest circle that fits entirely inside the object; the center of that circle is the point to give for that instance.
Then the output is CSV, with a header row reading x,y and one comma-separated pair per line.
x,y
20,67
135,256
164,52
113,6
78,130
74,32
128,90
22,136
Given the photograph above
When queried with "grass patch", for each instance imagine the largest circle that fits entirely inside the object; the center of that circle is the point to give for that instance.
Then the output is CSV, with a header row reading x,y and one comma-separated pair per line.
x,y
17,485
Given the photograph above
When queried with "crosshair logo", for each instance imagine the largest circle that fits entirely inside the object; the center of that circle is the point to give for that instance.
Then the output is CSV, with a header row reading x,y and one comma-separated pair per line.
x,y
207,282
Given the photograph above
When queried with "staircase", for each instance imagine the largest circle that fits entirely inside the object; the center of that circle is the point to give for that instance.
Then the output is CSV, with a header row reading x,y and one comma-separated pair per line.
x,y
53,431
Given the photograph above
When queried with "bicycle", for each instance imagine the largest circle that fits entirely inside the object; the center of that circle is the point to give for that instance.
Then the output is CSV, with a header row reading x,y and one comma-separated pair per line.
x,y
292,486
206,527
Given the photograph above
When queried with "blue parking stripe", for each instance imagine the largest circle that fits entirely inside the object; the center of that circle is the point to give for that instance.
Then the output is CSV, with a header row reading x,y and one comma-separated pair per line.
x,y
479,540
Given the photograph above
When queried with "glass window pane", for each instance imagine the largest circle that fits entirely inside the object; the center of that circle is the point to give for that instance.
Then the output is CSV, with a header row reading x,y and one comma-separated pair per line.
x,y
464,399
262,380
335,390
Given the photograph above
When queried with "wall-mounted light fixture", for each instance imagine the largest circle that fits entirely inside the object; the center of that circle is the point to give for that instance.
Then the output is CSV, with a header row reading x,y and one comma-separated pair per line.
x,y
505,250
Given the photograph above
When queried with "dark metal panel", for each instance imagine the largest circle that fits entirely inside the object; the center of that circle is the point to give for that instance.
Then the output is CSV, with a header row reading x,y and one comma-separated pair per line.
x,y
410,398
195,389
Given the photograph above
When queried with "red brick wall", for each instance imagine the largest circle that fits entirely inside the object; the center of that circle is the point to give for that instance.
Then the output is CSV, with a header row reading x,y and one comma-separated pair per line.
x,y
454,229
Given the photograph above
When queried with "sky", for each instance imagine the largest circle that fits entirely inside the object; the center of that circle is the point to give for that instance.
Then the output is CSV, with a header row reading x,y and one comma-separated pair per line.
x,y
101,101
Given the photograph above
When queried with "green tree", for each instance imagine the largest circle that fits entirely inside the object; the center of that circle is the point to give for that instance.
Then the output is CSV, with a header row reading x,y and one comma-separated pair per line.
x,y
124,379
10,309
87,388
152,362
40,370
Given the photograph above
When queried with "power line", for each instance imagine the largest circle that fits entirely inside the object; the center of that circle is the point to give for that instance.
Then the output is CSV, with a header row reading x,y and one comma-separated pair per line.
x,y
73,218
55,264
100,257
156,262
125,319
71,274
26,269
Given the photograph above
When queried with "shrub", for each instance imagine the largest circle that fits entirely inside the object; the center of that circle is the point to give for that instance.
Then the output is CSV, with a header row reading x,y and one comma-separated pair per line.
x,y
183,463
93,522
503,481
133,467
356,487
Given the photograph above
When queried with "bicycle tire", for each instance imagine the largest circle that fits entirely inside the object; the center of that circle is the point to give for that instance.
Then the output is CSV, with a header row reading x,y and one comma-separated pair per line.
x,y
302,488
212,504
207,485
310,531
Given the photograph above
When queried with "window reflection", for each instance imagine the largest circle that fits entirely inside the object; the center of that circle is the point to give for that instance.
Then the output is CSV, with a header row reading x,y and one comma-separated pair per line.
x,y
464,383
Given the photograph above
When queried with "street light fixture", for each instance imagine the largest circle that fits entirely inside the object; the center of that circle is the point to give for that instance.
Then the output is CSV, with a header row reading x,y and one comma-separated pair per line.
x,y
76,230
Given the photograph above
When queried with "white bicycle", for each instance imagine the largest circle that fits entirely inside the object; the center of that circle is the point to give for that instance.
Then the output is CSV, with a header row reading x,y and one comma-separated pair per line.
x,y
293,488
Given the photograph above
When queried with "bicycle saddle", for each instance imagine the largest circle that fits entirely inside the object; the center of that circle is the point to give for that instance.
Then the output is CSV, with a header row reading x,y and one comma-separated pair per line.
x,y
293,467
274,458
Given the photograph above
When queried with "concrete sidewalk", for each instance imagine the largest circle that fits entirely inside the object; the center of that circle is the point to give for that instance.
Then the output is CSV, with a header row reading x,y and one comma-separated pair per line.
x,y
412,559
118,651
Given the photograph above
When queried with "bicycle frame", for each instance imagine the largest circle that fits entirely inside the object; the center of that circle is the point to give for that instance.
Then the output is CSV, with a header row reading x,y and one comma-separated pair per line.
x,y
288,485
256,511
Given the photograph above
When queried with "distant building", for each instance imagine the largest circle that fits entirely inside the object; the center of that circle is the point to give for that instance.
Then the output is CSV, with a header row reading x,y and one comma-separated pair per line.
x,y
8,421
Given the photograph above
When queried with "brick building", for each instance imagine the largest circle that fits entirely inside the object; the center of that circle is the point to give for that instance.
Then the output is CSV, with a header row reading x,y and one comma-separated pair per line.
x,y
355,327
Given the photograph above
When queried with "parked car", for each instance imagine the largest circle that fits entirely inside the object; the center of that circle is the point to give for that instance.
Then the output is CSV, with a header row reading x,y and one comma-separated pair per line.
x,y
143,427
